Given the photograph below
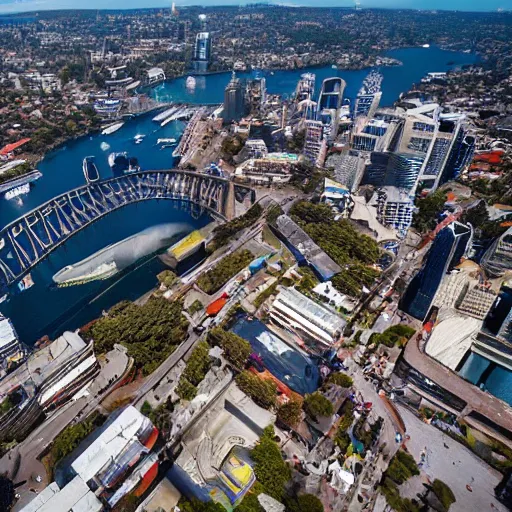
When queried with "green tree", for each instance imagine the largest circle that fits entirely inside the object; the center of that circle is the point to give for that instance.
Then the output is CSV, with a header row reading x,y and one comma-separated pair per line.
x,y
443,493
200,506
290,413
198,364
270,469
215,278
263,392
168,278
236,349
429,208
402,467
317,405
150,332
185,389
340,379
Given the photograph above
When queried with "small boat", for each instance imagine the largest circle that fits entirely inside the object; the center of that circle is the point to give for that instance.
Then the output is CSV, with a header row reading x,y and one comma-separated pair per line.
x,y
166,141
104,146
138,138
90,170
426,45
191,82
112,128
122,163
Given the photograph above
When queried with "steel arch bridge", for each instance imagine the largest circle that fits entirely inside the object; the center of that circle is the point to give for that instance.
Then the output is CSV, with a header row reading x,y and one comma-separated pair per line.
x,y
31,238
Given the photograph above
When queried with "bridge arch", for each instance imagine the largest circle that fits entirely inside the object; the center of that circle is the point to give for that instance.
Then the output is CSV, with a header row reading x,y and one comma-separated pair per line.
x,y
31,238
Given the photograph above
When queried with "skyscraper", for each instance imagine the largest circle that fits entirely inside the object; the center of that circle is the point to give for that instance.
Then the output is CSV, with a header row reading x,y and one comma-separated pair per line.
x,y
447,249
329,103
202,52
315,146
233,100
393,169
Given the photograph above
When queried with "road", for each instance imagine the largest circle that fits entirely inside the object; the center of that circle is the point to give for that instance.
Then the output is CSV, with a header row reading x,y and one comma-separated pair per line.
x,y
166,366
454,464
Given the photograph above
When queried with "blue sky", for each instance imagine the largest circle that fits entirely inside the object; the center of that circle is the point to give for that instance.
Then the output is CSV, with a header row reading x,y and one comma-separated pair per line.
x,y
7,6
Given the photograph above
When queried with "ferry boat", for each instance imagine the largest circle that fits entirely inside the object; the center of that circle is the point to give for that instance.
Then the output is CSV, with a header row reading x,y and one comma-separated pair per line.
x,y
112,128
122,163
165,114
91,173
18,182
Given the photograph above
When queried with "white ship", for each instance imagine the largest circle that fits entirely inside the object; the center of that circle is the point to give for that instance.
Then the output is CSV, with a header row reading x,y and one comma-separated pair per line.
x,y
166,141
190,83
112,128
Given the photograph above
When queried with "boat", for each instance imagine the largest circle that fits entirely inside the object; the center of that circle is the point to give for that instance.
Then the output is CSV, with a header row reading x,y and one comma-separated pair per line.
x,y
112,128
426,46
138,138
104,146
163,115
122,163
90,170
166,141
191,82
18,182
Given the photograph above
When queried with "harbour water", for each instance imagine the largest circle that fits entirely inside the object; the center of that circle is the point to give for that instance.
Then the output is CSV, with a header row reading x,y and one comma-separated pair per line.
x,y
44,310
417,62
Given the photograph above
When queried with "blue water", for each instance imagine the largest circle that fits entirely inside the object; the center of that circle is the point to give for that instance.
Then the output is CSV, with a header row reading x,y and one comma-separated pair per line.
x,y
417,62
44,309
62,168
498,381
292,368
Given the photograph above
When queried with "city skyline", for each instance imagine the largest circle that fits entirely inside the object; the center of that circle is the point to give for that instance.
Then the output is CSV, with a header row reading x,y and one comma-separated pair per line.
x,y
15,6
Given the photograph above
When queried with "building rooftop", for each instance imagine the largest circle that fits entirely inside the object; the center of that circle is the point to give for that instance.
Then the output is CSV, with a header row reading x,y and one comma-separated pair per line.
x,y
314,255
7,332
74,497
114,438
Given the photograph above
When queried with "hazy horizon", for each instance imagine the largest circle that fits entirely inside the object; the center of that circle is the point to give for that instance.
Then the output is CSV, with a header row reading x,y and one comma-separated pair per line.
x,y
17,6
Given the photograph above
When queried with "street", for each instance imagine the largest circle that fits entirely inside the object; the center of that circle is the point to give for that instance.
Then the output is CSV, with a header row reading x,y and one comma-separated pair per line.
x,y
454,464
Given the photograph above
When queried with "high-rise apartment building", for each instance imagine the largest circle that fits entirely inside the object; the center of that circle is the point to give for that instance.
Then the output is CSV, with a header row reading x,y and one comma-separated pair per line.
x,y
447,249
202,52
315,145
234,103
329,104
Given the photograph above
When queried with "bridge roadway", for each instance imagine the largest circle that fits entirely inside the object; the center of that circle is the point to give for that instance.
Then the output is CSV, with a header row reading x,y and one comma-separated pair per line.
x,y
31,238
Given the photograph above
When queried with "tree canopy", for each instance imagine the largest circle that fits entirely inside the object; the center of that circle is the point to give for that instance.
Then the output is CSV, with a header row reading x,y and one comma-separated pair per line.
x,y
394,335
150,332
429,208
317,405
236,349
270,469
215,278
354,252
263,392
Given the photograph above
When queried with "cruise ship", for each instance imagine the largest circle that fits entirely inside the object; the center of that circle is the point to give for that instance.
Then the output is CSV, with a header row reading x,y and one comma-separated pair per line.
x,y
109,261
91,173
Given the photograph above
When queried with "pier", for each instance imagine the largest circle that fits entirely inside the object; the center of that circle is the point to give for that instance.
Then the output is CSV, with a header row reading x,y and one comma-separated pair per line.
x,y
31,238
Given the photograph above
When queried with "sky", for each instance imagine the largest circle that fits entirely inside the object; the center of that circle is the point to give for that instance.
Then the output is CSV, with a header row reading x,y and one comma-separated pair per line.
x,y
10,6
